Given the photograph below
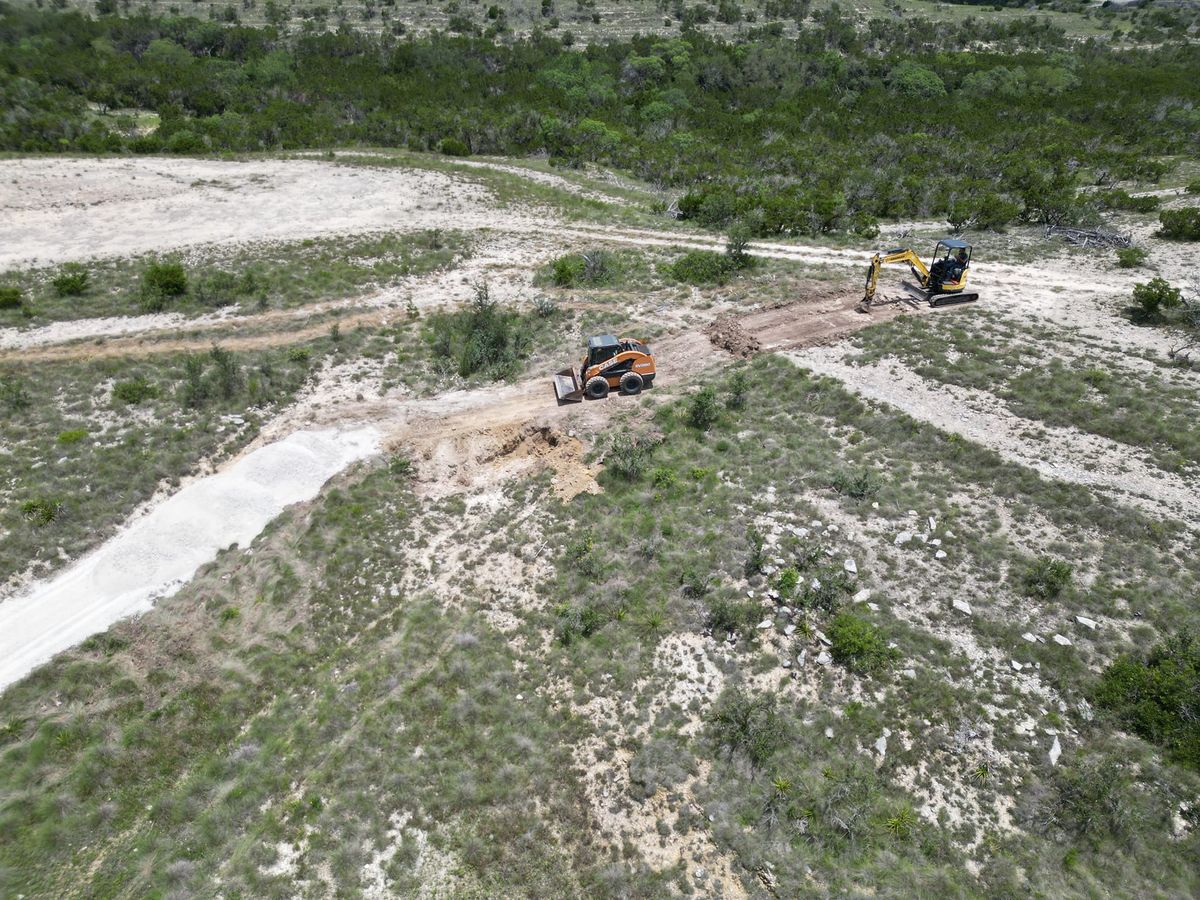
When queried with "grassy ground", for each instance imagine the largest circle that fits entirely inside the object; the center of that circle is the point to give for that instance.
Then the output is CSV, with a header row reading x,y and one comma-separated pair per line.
x,y
253,278
1049,377
86,442
398,689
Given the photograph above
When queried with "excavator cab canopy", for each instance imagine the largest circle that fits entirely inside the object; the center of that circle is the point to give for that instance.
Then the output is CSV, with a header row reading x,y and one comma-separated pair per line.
x,y
948,247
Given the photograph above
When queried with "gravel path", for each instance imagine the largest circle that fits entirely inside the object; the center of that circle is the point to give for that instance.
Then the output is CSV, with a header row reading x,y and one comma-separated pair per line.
x,y
157,554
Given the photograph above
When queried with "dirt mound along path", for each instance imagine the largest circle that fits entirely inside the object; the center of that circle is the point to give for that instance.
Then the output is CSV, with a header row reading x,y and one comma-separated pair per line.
x,y
804,323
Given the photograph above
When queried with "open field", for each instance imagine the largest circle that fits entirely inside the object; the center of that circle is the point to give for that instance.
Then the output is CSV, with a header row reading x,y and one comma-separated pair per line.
x,y
823,612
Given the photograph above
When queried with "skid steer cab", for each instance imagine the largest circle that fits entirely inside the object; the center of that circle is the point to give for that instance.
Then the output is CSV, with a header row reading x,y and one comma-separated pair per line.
x,y
611,364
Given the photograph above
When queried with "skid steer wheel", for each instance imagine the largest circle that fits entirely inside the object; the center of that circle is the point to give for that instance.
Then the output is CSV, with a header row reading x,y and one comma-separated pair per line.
x,y
597,387
631,383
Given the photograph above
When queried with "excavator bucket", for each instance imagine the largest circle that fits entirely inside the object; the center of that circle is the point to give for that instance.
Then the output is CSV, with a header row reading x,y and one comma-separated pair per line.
x,y
567,386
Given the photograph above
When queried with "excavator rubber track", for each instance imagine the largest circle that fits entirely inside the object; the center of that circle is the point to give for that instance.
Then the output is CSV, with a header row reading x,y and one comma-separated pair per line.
x,y
567,387
936,300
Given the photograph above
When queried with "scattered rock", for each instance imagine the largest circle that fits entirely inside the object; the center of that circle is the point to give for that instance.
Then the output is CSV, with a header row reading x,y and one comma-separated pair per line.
x,y
881,744
824,659
1017,667
932,523
962,606
941,554
873,607
820,635
936,542
801,657
862,595
1086,622
903,538
765,623
1061,641
700,874
1030,637
909,673
850,566
816,523
1055,751
789,629
829,733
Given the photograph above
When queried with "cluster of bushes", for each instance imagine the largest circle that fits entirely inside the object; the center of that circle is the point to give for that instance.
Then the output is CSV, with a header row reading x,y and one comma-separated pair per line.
x,y
1157,695
808,134
595,268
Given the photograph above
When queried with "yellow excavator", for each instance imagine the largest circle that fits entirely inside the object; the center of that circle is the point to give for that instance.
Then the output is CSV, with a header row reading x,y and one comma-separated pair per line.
x,y
943,281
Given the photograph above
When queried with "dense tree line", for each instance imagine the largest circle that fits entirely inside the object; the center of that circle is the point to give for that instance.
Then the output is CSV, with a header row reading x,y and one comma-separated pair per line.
x,y
983,122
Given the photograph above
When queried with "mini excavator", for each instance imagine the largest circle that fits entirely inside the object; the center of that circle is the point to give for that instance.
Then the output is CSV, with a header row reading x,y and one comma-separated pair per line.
x,y
611,362
943,280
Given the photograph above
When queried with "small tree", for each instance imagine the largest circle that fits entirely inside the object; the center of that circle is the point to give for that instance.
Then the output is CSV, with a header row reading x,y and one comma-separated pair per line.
x,y
702,411
858,645
736,244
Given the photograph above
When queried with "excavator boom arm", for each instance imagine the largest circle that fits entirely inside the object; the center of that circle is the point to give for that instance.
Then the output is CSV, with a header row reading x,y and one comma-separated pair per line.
x,y
901,254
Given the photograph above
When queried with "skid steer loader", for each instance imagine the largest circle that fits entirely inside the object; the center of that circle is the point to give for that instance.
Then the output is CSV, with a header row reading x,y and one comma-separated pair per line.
x,y
620,363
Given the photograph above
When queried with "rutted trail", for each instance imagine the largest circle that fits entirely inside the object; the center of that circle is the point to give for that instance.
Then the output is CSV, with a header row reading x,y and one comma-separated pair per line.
x,y
1076,456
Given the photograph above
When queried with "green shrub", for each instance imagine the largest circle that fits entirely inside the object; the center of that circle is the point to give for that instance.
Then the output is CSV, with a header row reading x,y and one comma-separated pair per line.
x,y
736,244
299,354
859,484
700,267
72,436
453,147
742,724
1193,187
71,280
858,645
702,411
161,283
1046,578
727,616
1090,802
628,454
41,511
1180,224
220,288
566,270
738,386
1131,257
1158,696
757,555
10,297
786,582
13,396
136,390
1153,296
578,620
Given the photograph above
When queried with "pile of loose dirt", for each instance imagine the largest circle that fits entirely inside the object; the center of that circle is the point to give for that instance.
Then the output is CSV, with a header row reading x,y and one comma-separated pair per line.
x,y
727,333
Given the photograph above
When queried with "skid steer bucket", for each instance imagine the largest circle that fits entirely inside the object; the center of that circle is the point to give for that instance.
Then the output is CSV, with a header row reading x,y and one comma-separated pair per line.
x,y
567,386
